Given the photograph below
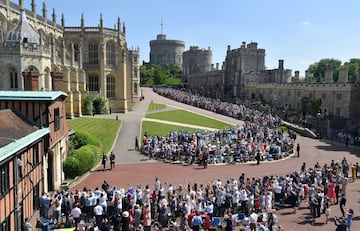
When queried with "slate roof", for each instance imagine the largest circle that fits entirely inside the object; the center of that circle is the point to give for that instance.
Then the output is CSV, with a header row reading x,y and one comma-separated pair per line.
x,y
23,32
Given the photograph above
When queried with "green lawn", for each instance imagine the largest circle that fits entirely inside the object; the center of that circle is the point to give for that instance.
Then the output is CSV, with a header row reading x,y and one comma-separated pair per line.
x,y
156,106
103,129
154,128
187,117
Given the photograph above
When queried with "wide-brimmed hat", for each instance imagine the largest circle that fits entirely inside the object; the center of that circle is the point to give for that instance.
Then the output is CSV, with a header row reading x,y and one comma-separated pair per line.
x,y
125,214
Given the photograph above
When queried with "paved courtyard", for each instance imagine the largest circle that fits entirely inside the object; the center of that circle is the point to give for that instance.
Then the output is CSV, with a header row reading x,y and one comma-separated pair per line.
x,y
132,168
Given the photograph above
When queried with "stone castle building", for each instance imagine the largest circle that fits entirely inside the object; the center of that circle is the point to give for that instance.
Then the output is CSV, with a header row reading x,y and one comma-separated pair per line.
x,y
166,52
240,62
77,60
244,76
196,61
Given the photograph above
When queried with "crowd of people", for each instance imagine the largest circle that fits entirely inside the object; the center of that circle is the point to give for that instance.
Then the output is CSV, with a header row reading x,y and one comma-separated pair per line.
x,y
244,202
256,139
238,111
239,202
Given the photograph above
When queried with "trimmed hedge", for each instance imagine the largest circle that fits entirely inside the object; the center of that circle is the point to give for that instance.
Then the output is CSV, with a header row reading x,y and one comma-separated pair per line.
x,y
80,139
84,155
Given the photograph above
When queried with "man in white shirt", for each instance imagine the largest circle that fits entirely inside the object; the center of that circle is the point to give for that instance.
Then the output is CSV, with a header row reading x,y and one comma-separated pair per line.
x,y
98,212
76,214
243,199
209,209
253,220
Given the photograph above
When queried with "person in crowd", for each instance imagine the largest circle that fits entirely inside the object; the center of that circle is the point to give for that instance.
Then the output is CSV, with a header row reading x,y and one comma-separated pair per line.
x,y
136,143
103,160
196,222
76,214
44,205
253,218
340,223
112,160
125,221
349,218
57,208
99,213
213,198
342,204
298,150
228,222
27,225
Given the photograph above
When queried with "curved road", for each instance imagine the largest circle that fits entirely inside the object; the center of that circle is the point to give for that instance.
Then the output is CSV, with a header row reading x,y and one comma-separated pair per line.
x,y
132,168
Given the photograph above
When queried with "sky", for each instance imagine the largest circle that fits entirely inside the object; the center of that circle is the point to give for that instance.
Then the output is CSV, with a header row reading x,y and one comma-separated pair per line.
x,y
299,32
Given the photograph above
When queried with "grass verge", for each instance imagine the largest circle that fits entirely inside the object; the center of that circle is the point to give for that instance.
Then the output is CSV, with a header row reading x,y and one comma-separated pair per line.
x,y
154,128
186,117
156,106
104,130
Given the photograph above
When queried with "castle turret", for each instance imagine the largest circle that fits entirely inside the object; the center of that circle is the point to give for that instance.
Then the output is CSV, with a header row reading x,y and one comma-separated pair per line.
x,y
281,64
297,76
343,74
307,79
329,73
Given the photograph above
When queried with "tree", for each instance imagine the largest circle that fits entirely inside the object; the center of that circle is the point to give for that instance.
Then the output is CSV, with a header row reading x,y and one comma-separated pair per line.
x,y
158,75
353,67
318,69
310,106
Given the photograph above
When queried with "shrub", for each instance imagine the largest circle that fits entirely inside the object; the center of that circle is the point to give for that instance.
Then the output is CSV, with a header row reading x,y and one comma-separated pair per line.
x,y
87,156
95,103
81,160
71,167
80,139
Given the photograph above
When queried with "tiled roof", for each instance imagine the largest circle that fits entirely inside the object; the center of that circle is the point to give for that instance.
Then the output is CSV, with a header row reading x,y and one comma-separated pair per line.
x,y
16,134
13,127
31,95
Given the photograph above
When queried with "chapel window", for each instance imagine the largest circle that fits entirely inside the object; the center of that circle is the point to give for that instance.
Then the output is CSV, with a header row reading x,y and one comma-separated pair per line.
x,y
93,53
110,87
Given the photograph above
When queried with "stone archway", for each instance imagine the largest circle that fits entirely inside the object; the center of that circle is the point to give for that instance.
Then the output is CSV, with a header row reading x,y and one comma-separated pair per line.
x,y
96,106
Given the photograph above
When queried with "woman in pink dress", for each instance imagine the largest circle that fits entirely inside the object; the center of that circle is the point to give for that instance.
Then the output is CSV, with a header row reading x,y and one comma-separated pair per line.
x,y
331,192
147,216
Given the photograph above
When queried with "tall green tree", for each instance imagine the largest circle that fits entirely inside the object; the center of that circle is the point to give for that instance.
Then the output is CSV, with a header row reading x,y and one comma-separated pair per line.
x,y
159,75
353,68
318,69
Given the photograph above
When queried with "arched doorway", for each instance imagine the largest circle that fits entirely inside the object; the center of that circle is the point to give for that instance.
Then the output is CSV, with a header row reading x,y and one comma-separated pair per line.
x,y
97,106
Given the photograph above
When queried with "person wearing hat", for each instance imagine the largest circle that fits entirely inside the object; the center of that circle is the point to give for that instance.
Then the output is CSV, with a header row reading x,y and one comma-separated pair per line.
x,y
125,221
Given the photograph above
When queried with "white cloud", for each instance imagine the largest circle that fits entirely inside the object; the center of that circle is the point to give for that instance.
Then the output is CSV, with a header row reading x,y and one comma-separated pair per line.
x,y
305,23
